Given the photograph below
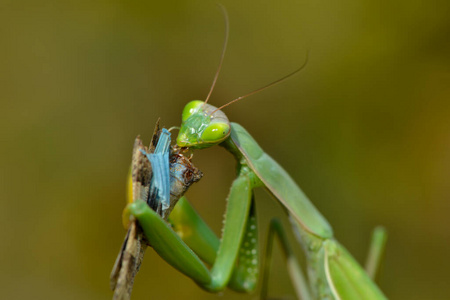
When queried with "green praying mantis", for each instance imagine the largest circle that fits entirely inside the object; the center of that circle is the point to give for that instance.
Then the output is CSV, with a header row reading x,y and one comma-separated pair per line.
x,y
187,243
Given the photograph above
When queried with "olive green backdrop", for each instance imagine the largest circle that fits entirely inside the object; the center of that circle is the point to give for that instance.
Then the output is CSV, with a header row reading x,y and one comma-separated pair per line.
x,y
364,130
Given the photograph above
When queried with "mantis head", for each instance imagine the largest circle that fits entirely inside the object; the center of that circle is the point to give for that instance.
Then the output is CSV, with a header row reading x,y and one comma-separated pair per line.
x,y
202,126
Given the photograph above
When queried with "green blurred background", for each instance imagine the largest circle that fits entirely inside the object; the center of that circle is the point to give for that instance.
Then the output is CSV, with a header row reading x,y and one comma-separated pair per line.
x,y
364,130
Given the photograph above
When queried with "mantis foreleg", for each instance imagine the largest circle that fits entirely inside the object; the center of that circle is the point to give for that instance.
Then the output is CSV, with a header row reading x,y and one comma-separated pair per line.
x,y
170,246
194,231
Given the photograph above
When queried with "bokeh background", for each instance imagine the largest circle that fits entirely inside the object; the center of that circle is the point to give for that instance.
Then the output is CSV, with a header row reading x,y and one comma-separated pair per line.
x,y
364,130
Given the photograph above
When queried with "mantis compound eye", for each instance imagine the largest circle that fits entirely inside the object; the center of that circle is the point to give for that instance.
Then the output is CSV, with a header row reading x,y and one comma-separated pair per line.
x,y
191,108
216,132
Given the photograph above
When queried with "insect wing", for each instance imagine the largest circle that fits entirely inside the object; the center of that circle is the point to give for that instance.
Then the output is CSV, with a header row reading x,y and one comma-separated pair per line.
x,y
346,277
160,183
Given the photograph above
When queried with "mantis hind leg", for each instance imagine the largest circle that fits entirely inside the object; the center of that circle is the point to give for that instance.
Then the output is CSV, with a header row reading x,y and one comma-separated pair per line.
x,y
298,278
376,251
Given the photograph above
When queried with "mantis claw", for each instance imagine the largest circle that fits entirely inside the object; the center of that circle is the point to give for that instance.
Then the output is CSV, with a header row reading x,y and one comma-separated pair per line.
x,y
131,211
126,216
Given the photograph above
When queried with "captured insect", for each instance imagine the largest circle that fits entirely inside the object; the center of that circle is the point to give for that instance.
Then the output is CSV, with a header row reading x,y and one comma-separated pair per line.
x,y
188,245
159,175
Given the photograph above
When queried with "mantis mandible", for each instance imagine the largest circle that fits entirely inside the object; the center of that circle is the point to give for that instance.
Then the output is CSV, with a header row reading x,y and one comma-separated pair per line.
x,y
188,242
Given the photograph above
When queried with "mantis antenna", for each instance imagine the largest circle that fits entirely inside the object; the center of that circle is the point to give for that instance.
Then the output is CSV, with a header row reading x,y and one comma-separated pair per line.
x,y
227,30
268,85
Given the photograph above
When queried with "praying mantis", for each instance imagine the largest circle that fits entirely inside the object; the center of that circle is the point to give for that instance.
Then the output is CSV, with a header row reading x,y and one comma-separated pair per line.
x,y
187,243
